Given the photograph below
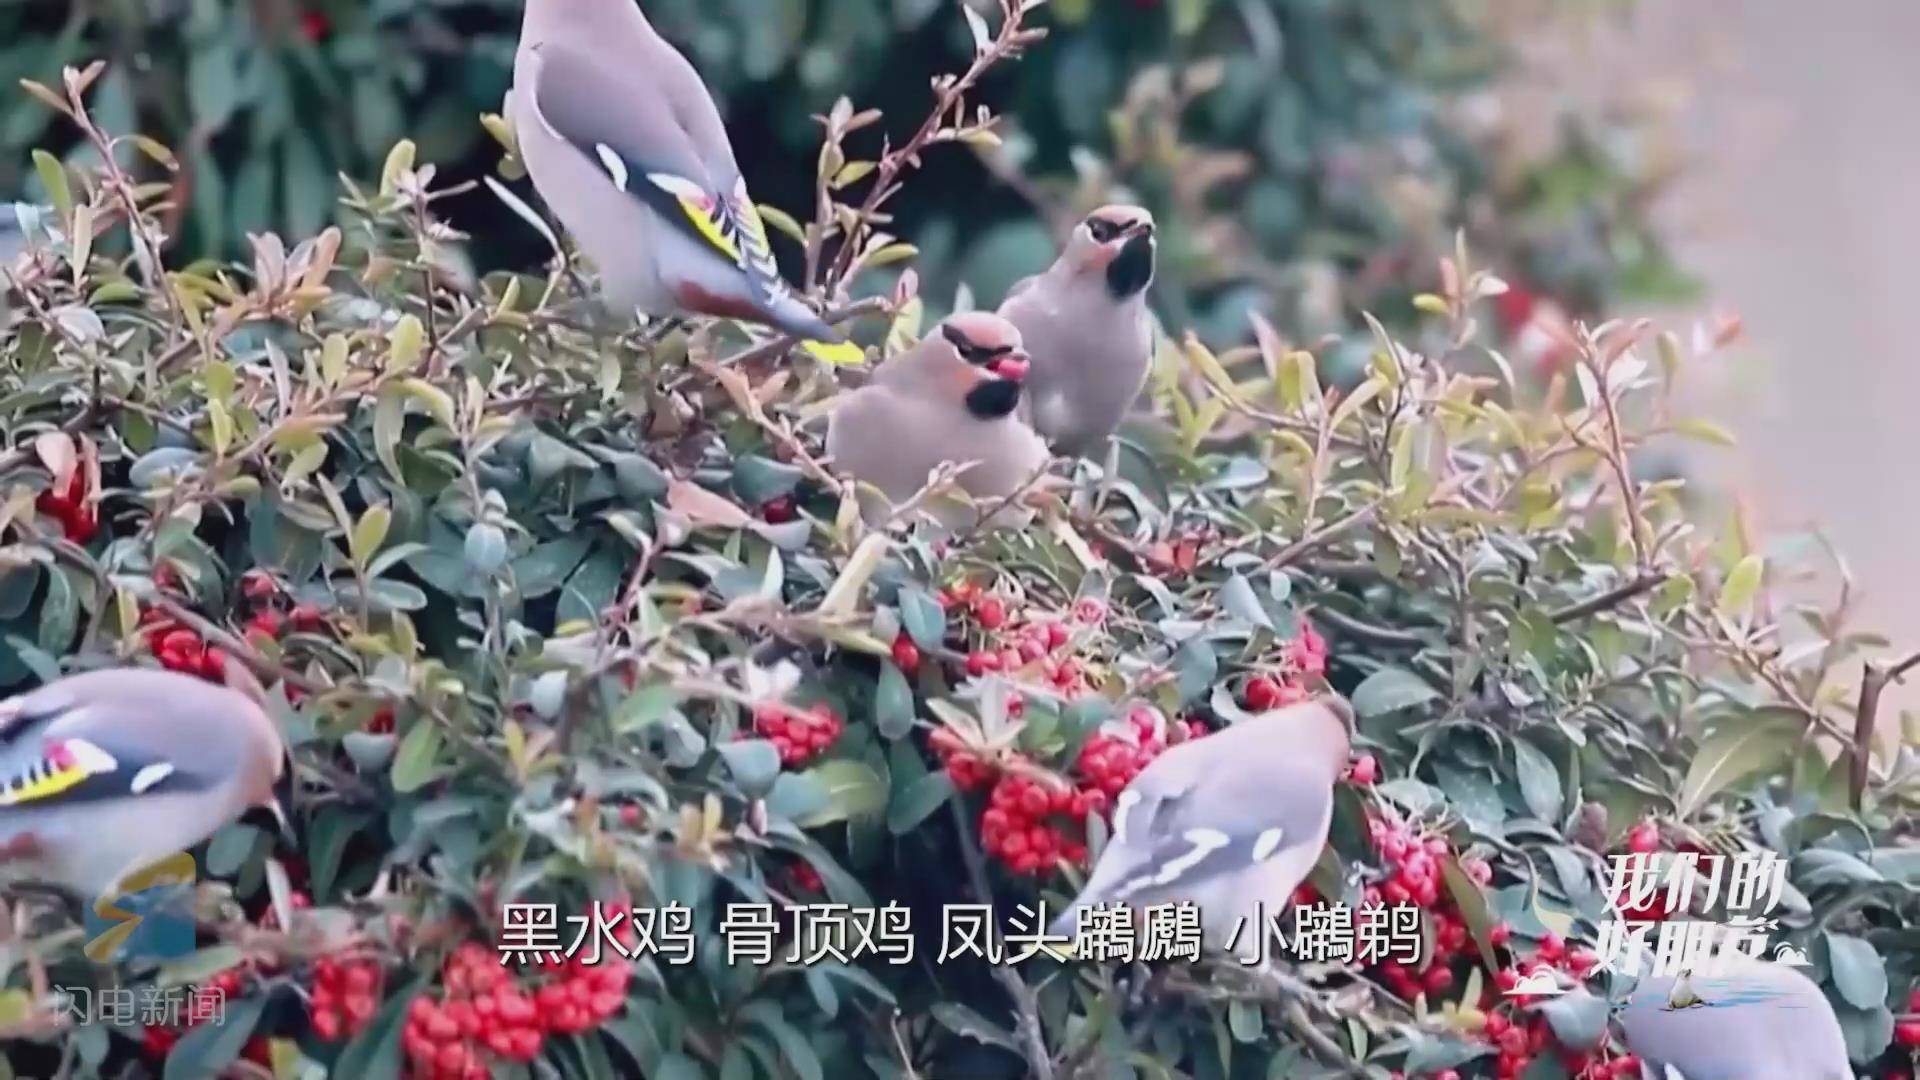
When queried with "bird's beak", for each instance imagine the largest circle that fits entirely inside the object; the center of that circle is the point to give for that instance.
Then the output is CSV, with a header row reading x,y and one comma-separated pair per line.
x,y
1012,365
1139,228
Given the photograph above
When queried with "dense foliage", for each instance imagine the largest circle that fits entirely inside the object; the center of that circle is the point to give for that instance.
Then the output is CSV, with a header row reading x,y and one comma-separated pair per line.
x,y
1310,158
560,616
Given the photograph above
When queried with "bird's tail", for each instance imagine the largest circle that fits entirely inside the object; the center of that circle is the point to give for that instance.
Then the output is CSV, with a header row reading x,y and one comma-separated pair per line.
x,y
790,316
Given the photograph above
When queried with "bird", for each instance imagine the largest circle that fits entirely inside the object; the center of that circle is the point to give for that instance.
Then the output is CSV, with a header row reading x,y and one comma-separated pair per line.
x,y
950,398
1747,1019
103,772
1085,320
1231,823
625,145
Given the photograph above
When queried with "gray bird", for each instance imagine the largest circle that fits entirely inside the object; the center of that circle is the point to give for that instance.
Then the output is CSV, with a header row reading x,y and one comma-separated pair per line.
x,y
1231,823
104,772
1749,1020
1085,321
627,148
950,398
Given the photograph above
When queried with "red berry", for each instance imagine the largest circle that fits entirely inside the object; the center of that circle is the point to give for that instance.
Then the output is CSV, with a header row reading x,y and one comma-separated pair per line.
x,y
1438,979
778,511
306,617
906,655
1907,1033
990,612
1366,770
1644,838
979,663
1498,933
1261,694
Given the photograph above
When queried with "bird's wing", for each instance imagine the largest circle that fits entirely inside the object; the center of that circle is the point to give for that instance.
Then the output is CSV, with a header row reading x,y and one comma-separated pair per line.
x,y
1197,818
638,140
56,750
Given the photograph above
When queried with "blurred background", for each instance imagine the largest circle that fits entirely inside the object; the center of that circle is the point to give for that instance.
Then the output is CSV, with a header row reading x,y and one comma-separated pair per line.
x,y
1308,159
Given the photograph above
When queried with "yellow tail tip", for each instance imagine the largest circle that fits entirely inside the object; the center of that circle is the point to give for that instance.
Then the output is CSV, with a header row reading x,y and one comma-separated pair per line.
x,y
842,355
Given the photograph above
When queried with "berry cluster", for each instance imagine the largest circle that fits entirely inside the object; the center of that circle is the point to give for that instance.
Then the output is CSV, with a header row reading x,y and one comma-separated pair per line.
x,y
484,1015
345,995
269,621
158,1041
1011,645
1906,1033
180,649
78,515
1018,826
1305,659
1412,862
1110,760
799,735
1033,820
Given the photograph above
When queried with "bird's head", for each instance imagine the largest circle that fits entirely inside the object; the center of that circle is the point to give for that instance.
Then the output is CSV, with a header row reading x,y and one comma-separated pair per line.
x,y
983,362
1116,242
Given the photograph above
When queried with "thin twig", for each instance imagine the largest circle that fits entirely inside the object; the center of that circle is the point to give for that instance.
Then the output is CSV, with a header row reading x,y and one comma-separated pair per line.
x,y
1873,683
1026,1004
1610,599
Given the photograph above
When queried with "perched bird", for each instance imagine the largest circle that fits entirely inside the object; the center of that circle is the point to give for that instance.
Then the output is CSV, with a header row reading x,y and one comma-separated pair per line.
x,y
104,772
1231,823
627,148
951,398
1085,321
1748,1020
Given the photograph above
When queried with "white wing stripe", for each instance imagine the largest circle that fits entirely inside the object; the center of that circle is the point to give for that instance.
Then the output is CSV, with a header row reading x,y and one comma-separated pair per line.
x,y
1268,843
151,775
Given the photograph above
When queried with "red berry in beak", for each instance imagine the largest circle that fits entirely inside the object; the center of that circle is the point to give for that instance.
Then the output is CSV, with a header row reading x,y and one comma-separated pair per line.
x,y
1011,367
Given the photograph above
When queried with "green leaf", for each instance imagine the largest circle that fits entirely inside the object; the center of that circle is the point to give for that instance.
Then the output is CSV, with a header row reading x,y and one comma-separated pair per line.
x,y
375,1053
485,548
647,705
199,965
1473,906
962,1020
1539,780
1578,1018
852,789
892,702
1196,666
207,1050
1735,751
1391,689
1858,971
405,343
678,1066
754,763
1237,599
369,533
915,802
53,177
1743,581
416,763
924,619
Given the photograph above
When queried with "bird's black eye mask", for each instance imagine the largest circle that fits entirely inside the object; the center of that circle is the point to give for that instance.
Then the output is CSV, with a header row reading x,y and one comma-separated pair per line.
x,y
977,355
993,399
1131,271
1102,230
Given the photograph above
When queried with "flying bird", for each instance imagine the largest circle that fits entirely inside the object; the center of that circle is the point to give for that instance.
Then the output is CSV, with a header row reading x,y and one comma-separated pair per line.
x,y
950,398
625,145
1085,321
1231,823
104,772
